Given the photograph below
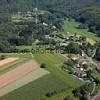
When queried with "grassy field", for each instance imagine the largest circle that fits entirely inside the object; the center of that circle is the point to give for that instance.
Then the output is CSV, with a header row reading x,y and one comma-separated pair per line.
x,y
57,80
22,58
37,89
53,63
72,27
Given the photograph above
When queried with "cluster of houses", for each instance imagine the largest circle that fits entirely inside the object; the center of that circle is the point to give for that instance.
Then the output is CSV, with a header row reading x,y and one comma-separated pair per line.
x,y
81,62
80,65
69,36
65,38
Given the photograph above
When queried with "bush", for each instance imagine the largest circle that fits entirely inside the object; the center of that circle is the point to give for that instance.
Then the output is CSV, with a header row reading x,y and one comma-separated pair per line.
x,y
2,57
73,48
68,98
49,94
43,66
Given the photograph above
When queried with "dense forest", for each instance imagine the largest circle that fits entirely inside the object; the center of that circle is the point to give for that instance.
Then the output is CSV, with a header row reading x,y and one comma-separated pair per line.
x,y
85,11
11,33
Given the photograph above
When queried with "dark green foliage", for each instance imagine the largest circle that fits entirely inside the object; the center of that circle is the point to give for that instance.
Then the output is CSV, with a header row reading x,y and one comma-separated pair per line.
x,y
68,98
69,63
97,55
43,66
84,92
22,33
73,48
2,57
50,94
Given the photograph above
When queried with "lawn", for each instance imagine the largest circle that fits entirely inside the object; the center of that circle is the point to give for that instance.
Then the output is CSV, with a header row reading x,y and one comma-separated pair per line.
x,y
71,26
37,89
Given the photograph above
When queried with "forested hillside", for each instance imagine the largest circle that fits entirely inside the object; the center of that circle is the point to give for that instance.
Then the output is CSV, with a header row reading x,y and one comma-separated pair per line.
x,y
84,11
15,5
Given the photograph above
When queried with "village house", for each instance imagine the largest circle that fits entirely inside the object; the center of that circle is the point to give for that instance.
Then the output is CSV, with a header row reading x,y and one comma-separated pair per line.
x,y
47,37
63,44
80,67
80,74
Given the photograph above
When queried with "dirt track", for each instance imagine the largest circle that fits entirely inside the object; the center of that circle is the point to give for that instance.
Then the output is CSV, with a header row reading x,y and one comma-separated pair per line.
x,y
8,60
17,73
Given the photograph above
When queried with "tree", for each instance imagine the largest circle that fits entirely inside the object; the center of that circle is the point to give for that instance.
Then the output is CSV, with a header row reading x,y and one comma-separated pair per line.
x,y
97,54
2,57
43,65
68,98
83,92
73,48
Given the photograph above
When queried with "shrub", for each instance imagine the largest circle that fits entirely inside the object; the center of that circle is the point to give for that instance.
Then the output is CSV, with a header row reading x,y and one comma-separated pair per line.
x,y
49,94
43,66
2,57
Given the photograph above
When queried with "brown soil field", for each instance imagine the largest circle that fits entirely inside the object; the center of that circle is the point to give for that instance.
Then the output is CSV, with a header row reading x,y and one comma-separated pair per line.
x,y
8,60
17,73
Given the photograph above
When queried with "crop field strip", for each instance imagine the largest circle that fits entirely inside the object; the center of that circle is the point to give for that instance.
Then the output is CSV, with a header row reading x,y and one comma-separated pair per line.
x,y
37,89
7,61
17,73
8,67
32,76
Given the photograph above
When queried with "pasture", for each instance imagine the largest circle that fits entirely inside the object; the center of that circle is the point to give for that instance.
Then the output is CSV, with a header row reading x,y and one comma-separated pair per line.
x,y
53,64
72,27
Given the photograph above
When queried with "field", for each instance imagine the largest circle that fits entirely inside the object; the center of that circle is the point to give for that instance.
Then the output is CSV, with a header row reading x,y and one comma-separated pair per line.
x,y
34,75
22,58
17,73
37,89
57,80
72,27
7,61
53,63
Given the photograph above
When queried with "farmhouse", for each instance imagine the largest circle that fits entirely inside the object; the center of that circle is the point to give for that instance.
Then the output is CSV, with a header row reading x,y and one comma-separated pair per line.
x,y
47,36
80,74
63,44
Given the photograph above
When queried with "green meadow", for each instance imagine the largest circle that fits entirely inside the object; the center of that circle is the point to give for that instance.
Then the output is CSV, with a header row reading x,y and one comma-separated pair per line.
x,y
72,27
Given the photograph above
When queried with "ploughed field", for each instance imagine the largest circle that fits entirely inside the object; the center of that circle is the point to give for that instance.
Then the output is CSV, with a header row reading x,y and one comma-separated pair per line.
x,y
17,73
53,81
20,74
7,61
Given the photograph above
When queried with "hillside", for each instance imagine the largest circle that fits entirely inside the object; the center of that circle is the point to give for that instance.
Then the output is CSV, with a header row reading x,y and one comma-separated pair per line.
x,y
15,5
84,11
